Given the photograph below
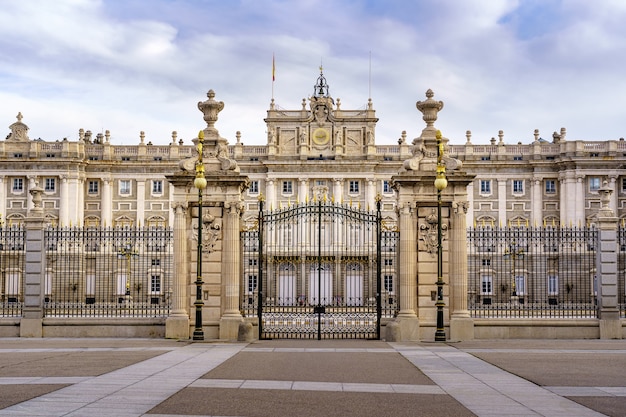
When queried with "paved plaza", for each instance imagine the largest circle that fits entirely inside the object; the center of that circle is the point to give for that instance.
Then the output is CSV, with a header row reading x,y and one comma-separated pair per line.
x,y
166,378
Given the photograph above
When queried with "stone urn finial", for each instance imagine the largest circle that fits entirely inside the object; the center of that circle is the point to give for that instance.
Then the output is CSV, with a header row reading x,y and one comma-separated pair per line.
x,y
605,199
37,193
210,108
429,109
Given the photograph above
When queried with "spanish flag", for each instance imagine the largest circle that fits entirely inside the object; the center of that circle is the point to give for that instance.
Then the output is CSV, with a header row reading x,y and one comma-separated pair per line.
x,y
273,69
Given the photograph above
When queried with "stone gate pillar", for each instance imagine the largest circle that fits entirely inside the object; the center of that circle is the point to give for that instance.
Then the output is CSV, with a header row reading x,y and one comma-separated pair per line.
x,y
606,268
415,185
31,324
220,225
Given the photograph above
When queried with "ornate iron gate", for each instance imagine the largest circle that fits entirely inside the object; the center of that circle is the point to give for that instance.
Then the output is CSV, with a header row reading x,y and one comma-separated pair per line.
x,y
315,270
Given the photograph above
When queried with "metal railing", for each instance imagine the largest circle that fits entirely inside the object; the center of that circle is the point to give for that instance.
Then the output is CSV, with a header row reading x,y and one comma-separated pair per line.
x,y
529,272
12,267
108,272
621,269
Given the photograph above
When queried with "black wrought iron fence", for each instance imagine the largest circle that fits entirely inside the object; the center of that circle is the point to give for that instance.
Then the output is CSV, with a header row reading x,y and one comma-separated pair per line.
x,y
531,272
12,266
621,271
108,272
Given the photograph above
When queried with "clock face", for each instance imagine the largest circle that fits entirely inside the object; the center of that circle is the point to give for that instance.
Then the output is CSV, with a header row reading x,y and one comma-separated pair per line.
x,y
321,136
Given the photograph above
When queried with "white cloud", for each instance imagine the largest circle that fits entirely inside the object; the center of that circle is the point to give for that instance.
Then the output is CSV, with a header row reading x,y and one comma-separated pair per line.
x,y
127,67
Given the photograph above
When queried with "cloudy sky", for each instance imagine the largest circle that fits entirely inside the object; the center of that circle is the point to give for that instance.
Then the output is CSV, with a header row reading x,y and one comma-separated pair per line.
x,y
133,65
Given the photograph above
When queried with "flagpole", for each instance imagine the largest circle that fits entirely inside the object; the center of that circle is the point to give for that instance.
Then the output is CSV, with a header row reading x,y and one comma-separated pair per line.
x,y
369,78
273,74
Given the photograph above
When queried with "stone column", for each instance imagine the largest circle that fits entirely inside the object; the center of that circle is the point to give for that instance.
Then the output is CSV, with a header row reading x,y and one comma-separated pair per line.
x,y
302,189
107,212
32,182
469,218
141,201
562,198
579,219
613,186
64,203
177,324
370,203
231,259
535,215
338,190
3,203
31,324
80,201
502,201
461,324
606,268
270,194
407,319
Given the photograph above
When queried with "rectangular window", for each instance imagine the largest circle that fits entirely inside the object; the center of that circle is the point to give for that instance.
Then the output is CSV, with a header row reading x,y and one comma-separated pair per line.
x,y
90,284
252,261
485,186
389,283
486,262
520,284
125,187
155,284
624,185
157,187
387,187
93,187
594,183
120,288
518,186
553,285
18,184
251,283
156,262
550,186
487,285
518,158
287,187
50,184
254,187
388,262
354,187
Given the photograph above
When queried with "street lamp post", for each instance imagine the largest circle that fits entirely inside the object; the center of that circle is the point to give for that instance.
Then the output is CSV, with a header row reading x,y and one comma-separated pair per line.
x,y
514,253
441,183
127,252
200,183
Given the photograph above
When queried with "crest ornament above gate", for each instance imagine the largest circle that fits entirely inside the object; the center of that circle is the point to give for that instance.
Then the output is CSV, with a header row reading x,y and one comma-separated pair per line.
x,y
428,232
211,232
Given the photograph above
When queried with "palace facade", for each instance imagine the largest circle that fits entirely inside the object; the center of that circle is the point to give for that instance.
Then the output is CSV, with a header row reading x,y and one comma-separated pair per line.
x,y
318,151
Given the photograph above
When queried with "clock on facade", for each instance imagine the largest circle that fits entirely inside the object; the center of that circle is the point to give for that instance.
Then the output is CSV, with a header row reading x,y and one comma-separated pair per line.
x,y
321,136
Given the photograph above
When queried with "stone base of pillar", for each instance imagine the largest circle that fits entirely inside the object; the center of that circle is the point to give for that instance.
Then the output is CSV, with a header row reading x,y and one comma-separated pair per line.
x,y
610,329
229,328
177,327
246,332
31,327
403,329
461,329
